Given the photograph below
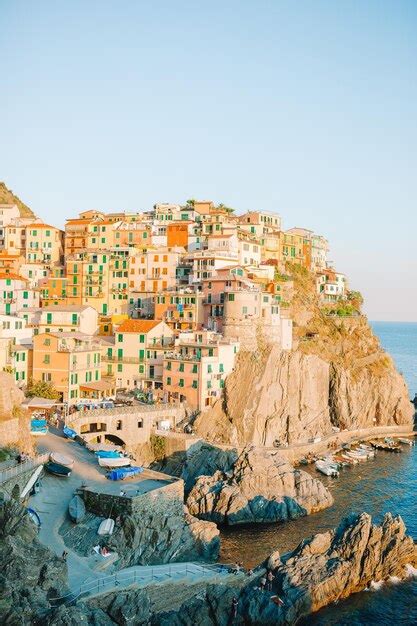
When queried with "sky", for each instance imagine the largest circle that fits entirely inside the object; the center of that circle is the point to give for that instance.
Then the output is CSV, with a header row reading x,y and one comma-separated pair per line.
x,y
306,108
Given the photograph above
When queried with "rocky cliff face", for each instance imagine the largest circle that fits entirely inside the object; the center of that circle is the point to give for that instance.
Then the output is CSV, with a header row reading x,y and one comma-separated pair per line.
x,y
7,197
323,569
30,574
338,375
157,538
260,487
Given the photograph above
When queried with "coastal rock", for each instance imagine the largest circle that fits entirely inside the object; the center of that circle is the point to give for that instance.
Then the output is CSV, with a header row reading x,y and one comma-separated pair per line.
x,y
340,378
260,487
163,537
30,574
323,569
333,565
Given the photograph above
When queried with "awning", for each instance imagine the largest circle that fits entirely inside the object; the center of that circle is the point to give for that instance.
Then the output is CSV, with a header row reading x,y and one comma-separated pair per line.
x,y
40,403
100,385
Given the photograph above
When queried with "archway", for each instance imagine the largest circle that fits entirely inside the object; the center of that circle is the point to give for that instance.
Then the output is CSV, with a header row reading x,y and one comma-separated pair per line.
x,y
114,439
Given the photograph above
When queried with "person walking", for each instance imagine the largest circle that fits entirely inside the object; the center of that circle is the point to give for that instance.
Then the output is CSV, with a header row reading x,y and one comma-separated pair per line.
x,y
270,577
262,583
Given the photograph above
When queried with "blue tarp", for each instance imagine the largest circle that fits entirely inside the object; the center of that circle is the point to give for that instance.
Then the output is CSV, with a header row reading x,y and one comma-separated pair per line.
x,y
108,454
68,432
124,472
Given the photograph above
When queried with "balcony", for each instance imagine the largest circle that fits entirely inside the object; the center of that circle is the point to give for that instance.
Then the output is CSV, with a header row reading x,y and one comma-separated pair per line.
x,y
128,360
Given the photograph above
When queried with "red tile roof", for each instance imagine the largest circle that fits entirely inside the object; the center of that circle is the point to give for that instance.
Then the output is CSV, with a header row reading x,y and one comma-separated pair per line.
x,y
137,326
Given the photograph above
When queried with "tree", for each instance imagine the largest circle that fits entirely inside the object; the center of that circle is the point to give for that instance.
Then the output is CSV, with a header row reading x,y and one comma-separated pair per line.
x,y
42,389
223,207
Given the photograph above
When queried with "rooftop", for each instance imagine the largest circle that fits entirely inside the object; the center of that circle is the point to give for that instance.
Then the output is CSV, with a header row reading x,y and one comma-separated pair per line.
x,y
137,326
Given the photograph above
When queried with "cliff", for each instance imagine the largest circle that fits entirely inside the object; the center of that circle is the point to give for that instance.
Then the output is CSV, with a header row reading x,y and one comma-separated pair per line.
x,y
337,376
7,197
323,569
260,487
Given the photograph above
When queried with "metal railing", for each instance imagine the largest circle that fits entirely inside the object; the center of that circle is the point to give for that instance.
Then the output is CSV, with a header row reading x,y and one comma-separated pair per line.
x,y
143,576
19,469
134,410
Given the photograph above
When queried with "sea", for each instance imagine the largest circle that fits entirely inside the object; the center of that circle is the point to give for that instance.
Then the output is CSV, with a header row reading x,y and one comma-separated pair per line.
x,y
386,483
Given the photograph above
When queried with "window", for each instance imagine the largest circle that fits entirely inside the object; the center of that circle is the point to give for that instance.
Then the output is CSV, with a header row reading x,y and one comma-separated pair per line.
x,y
181,382
195,368
48,233
120,354
141,338
120,338
74,318
231,297
47,359
210,352
244,310
221,368
140,423
168,380
47,342
195,384
25,295
120,367
46,377
168,365
49,318
209,369
119,425
181,367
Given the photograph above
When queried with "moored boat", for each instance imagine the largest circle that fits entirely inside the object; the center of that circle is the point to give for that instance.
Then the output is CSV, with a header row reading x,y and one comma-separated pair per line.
x,y
38,427
34,517
106,527
69,433
57,469
61,459
108,454
327,469
76,509
406,442
121,461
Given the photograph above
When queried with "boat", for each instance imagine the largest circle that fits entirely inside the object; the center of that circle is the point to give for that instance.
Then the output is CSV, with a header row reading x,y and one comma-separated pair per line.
x,y
38,427
61,459
353,454
406,442
34,517
69,433
76,509
349,459
108,454
30,485
120,461
106,527
326,468
124,472
57,469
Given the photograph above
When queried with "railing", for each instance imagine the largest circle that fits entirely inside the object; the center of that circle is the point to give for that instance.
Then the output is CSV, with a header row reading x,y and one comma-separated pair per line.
x,y
134,410
143,576
19,469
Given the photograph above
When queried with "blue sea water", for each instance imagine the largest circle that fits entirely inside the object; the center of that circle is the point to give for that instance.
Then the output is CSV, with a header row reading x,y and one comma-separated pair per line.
x,y
386,483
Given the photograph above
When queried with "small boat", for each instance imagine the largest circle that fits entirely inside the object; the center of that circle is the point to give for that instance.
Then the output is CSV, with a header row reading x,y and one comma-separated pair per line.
x,y
326,468
108,454
349,459
406,442
57,469
38,427
355,454
76,509
61,459
34,517
106,527
120,461
124,472
69,433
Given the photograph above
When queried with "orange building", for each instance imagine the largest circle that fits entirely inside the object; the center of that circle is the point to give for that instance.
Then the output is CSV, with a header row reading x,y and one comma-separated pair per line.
x,y
177,234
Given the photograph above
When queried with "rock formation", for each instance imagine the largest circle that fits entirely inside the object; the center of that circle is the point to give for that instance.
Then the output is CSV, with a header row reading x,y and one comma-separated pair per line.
x,y
321,570
337,376
30,574
11,397
7,197
156,538
260,487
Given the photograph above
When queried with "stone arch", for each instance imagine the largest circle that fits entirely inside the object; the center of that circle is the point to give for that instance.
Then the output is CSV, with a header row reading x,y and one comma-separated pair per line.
x,y
114,439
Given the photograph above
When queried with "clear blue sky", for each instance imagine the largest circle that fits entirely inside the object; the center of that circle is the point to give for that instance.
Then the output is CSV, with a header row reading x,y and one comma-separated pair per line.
x,y
306,108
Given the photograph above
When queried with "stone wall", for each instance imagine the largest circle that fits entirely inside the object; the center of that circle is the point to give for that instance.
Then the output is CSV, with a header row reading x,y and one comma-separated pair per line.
x,y
9,431
158,501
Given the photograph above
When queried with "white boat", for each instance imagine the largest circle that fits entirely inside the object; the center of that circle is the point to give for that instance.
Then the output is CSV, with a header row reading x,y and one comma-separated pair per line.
x,y
353,454
61,459
121,461
326,468
369,451
406,442
106,527
349,459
